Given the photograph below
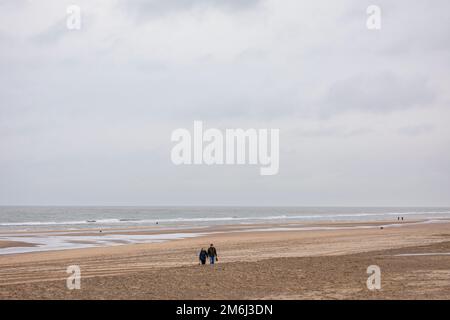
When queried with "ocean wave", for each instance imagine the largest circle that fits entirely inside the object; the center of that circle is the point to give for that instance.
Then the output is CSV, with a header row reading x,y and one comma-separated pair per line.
x,y
219,219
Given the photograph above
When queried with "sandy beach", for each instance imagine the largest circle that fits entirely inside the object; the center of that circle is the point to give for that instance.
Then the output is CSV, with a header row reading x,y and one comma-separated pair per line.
x,y
255,262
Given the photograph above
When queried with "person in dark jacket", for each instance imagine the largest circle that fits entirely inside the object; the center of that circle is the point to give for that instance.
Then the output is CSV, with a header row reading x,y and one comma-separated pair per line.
x,y
212,254
202,256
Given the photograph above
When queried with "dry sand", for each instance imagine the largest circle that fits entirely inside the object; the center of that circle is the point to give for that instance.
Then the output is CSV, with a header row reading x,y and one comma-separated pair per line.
x,y
326,264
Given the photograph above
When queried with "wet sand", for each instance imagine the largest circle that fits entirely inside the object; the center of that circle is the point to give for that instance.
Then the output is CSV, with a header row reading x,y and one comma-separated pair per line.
x,y
289,264
13,244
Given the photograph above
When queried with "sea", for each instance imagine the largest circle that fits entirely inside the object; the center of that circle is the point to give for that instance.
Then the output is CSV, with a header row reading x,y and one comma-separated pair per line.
x,y
31,218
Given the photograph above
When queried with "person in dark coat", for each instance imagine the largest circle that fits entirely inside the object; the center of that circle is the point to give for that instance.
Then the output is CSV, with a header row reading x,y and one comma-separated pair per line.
x,y
212,254
202,256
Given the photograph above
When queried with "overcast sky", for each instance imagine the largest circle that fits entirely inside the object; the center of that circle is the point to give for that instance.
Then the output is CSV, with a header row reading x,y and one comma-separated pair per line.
x,y
86,115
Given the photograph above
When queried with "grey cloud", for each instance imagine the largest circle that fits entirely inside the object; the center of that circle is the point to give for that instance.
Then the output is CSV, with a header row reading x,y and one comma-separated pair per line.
x,y
415,130
152,8
58,30
8,4
378,93
336,132
53,34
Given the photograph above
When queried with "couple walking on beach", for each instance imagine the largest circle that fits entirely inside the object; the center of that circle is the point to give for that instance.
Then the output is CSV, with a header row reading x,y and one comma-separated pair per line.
x,y
211,253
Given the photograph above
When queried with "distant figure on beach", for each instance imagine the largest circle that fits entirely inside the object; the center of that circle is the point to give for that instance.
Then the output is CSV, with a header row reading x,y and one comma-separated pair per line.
x,y
402,218
202,256
398,218
212,254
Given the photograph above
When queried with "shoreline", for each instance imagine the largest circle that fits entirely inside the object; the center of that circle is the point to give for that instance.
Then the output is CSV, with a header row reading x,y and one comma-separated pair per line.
x,y
19,242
